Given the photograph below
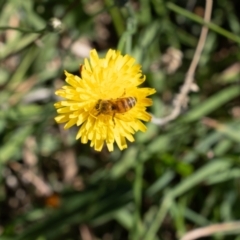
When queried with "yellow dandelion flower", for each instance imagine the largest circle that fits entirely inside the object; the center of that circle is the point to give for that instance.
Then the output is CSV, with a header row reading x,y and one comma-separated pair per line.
x,y
105,101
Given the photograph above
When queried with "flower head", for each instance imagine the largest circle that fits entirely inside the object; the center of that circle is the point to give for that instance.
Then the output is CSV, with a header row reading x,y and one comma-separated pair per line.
x,y
105,101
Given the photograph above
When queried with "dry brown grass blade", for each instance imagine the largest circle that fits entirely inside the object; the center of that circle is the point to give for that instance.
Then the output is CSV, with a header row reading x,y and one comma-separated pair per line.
x,y
182,98
210,230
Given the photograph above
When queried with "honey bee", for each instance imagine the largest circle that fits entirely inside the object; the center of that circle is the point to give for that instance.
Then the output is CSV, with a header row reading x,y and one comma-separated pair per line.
x,y
113,106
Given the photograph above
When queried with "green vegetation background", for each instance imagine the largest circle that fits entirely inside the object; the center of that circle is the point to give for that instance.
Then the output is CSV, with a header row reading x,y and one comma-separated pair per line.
x,y
172,179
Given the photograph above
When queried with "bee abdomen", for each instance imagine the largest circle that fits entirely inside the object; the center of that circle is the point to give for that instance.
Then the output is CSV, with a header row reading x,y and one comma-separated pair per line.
x,y
131,101
125,104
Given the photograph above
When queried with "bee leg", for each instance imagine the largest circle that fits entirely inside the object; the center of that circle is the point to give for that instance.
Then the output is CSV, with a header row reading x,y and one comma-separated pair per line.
x,y
113,119
94,110
80,70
